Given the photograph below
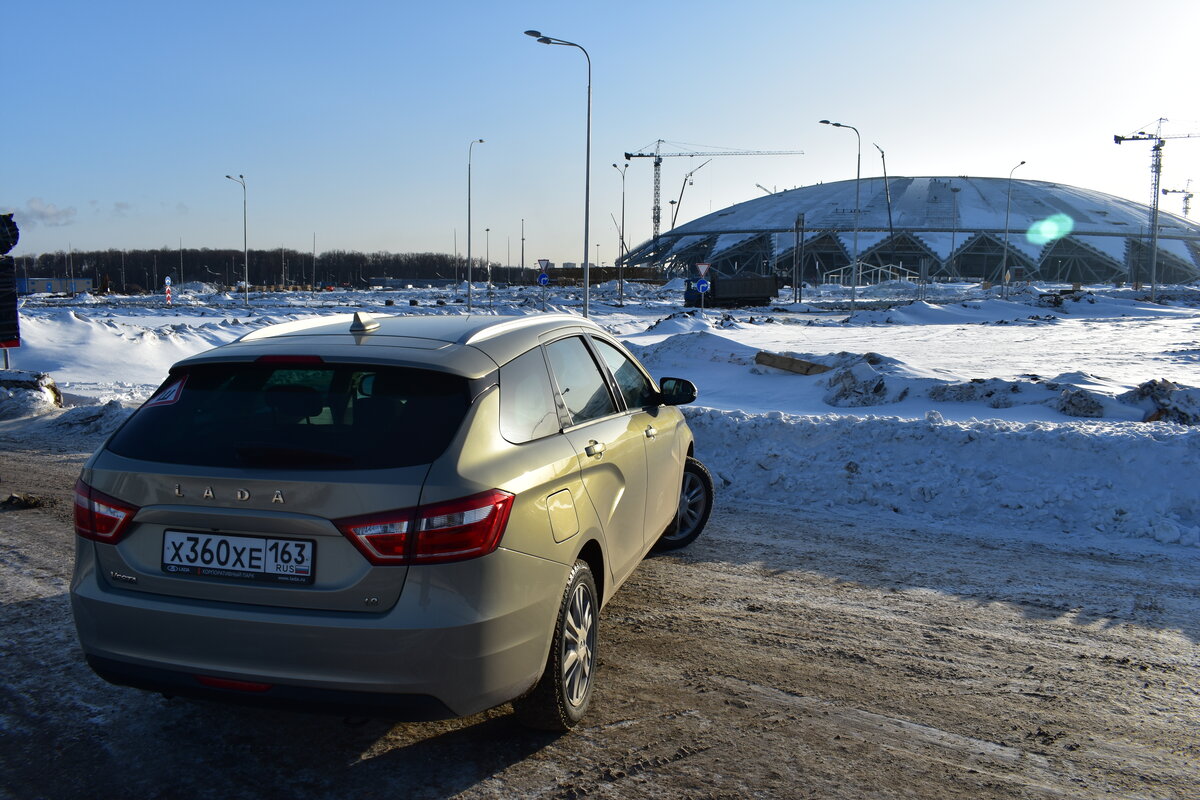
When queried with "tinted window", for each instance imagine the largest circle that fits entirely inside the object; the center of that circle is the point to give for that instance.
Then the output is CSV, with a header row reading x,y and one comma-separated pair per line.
x,y
288,416
526,399
635,387
579,380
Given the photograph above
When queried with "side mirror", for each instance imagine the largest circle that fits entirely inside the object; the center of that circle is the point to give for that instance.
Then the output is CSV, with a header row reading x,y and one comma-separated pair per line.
x,y
677,391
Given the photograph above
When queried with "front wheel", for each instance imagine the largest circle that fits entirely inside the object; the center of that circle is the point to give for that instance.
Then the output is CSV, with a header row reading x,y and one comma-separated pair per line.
x,y
695,504
559,699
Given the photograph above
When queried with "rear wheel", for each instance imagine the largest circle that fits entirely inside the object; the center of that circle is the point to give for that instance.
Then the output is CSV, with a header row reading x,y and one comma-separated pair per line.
x,y
695,504
561,696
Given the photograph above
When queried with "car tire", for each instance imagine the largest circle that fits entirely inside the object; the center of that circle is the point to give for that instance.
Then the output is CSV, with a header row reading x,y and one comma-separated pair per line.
x,y
695,505
559,699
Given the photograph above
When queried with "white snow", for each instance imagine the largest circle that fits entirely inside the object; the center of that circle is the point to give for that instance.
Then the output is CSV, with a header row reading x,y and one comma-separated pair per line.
x,y
1014,417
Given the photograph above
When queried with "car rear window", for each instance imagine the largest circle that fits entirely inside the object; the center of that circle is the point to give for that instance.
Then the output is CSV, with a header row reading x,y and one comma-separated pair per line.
x,y
297,416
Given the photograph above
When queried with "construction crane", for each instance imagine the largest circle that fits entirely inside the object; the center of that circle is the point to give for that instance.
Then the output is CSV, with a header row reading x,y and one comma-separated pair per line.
x,y
658,156
1187,196
1156,177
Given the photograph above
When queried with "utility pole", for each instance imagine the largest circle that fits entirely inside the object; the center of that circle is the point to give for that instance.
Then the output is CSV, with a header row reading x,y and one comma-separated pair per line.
x,y
797,257
887,194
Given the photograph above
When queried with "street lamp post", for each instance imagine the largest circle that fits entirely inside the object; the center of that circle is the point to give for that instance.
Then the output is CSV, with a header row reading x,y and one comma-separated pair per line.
x,y
624,247
470,148
954,190
245,249
487,260
1007,210
857,203
887,194
587,171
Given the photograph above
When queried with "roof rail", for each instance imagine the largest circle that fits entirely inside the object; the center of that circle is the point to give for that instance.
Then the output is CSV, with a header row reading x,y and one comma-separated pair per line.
x,y
495,329
295,326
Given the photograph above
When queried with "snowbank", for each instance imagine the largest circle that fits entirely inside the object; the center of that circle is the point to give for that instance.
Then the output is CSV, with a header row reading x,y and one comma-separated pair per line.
x,y
24,393
1095,480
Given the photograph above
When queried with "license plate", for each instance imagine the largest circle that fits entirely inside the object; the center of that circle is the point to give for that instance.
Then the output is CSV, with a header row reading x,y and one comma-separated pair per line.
x,y
252,558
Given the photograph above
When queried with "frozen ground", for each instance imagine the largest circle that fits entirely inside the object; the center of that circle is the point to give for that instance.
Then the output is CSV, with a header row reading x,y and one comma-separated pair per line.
x,y
1022,416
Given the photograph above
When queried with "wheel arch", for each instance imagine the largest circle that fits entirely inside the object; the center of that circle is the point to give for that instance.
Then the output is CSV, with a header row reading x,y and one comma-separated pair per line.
x,y
594,556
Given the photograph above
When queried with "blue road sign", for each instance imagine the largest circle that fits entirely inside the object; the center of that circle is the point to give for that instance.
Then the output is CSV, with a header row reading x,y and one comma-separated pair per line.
x,y
543,279
702,286
167,281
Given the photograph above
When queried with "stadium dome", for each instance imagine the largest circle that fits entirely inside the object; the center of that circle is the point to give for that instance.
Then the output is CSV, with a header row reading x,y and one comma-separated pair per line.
x,y
935,228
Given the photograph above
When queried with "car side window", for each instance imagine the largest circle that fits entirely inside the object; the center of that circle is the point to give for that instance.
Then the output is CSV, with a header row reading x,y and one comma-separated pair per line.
x,y
580,382
526,399
635,387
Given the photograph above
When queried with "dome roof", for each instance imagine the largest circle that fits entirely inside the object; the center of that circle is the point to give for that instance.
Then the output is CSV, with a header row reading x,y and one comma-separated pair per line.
x,y
939,227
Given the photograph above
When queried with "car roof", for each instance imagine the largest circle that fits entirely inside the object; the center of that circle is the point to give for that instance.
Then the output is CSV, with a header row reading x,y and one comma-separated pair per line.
x,y
470,345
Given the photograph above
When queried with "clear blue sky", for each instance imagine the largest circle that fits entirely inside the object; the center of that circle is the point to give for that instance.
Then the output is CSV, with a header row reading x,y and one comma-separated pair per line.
x,y
352,120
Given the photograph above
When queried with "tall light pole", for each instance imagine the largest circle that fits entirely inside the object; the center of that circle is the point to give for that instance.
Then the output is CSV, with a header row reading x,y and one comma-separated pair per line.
x,y
887,193
857,182
1007,210
624,247
470,149
587,169
954,190
245,250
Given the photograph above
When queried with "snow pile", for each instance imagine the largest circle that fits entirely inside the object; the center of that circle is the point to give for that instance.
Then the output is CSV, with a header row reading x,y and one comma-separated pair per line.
x,y
89,420
1163,400
922,312
23,393
1074,479
872,380
681,322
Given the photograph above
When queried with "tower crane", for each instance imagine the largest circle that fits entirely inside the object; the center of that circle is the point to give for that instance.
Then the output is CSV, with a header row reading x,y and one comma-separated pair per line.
x,y
1187,196
658,156
1156,177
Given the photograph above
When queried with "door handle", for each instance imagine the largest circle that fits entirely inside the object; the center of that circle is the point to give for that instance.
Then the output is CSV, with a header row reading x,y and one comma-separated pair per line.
x,y
651,432
595,448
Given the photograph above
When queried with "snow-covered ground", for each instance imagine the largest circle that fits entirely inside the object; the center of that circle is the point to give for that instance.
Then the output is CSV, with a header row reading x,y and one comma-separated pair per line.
x,y
1069,418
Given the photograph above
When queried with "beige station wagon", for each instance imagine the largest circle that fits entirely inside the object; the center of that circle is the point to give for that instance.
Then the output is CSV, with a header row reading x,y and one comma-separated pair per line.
x,y
421,516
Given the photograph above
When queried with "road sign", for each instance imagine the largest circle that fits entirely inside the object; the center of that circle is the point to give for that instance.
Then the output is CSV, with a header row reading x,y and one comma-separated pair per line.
x,y
167,281
543,279
702,286
702,269
544,263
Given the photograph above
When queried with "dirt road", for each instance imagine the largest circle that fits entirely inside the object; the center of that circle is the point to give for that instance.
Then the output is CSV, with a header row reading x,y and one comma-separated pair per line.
x,y
780,656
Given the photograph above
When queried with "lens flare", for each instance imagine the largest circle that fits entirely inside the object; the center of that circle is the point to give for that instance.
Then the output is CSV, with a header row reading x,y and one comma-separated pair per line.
x,y
1049,229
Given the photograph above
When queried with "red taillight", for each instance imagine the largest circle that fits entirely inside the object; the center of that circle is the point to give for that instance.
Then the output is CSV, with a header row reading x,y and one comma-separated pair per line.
x,y
382,538
99,517
434,534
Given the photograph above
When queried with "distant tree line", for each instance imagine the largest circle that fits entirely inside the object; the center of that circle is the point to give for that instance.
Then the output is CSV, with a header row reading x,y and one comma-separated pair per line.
x,y
143,270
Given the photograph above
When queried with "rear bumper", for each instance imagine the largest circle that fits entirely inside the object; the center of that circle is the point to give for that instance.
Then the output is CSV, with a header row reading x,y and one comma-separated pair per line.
x,y
462,638
401,707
